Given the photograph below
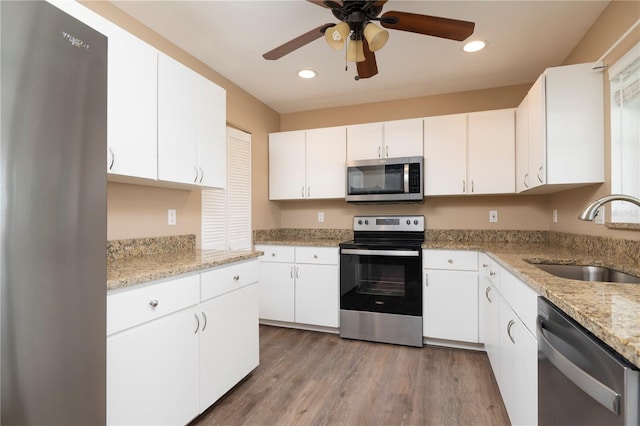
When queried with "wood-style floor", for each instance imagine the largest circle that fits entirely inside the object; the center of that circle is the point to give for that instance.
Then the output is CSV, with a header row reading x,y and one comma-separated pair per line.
x,y
313,378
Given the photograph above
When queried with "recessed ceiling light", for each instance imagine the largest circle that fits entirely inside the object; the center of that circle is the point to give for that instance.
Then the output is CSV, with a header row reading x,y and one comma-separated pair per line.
x,y
307,73
474,46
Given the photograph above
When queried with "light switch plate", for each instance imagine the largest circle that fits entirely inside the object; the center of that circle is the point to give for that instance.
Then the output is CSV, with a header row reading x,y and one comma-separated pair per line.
x,y
320,217
171,217
493,216
555,215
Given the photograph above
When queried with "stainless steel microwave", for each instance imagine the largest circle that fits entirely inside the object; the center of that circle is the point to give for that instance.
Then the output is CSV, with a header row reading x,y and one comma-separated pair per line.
x,y
385,180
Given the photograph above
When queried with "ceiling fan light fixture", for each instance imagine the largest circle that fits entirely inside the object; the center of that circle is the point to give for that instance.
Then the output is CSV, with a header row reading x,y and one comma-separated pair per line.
x,y
337,34
307,74
474,46
355,51
376,36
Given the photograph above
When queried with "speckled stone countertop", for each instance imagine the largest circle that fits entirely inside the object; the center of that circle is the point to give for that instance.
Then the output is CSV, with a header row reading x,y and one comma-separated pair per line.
x,y
137,261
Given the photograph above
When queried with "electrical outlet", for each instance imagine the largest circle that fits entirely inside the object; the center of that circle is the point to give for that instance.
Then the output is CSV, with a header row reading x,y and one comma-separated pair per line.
x,y
493,216
600,216
555,215
320,217
171,217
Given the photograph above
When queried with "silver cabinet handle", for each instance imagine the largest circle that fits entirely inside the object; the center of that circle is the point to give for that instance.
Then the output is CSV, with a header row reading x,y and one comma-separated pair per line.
x,y
273,255
205,321
426,280
387,151
296,272
486,293
303,192
472,185
195,179
291,272
315,256
153,303
509,325
197,323
492,274
484,265
201,174
464,187
236,277
113,158
308,192
450,260
540,173
379,156
607,397
525,180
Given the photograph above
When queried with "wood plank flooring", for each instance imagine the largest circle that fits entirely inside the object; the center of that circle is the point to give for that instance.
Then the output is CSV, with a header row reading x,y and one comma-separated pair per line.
x,y
313,378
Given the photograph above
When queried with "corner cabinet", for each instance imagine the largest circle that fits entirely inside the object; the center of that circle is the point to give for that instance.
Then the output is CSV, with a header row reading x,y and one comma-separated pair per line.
x,y
191,127
470,154
560,130
175,347
398,138
307,164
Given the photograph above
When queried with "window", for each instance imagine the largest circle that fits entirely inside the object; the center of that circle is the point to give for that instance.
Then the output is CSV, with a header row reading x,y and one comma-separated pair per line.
x,y
226,213
624,78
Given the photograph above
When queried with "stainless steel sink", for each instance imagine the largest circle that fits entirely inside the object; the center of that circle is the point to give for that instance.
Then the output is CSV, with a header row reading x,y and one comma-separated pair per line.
x,y
587,273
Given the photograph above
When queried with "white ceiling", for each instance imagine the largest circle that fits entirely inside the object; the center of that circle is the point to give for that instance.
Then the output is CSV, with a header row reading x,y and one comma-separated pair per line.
x,y
524,38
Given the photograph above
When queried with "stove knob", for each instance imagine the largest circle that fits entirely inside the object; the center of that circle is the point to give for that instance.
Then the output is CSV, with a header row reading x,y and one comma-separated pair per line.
x,y
408,221
359,221
366,221
415,222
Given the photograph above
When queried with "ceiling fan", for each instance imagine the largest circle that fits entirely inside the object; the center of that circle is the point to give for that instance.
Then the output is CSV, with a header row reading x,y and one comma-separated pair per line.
x,y
363,37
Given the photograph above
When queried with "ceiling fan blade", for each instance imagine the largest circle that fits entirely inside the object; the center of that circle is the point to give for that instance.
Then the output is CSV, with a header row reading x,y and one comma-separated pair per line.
x,y
297,42
452,29
367,68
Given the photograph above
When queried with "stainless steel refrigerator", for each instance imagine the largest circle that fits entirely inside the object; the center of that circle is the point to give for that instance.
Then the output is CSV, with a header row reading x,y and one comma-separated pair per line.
x,y
53,217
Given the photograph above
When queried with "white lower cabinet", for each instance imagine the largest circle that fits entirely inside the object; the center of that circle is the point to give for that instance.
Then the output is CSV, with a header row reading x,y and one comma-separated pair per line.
x,y
489,312
450,295
299,285
175,347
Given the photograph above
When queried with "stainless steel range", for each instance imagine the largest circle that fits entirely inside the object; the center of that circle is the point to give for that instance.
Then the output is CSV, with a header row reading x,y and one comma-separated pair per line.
x,y
381,280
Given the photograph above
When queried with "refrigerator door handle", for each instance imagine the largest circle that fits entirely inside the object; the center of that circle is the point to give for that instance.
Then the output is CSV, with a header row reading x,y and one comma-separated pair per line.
x,y
604,395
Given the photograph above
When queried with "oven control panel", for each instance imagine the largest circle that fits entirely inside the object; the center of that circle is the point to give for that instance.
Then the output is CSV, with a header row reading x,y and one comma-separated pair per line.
x,y
388,223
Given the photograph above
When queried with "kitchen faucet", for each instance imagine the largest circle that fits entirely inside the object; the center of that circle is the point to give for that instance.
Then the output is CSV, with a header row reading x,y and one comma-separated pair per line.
x,y
591,210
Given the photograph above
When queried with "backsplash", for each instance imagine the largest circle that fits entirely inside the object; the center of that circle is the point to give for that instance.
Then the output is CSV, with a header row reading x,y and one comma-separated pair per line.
x,y
624,251
135,247
485,236
288,234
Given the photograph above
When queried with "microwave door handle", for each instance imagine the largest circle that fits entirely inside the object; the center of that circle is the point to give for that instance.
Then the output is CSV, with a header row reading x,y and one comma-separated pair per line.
x,y
393,253
406,178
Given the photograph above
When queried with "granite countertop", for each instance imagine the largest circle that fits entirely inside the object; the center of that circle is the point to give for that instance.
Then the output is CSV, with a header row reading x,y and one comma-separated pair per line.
x,y
302,242
610,311
140,269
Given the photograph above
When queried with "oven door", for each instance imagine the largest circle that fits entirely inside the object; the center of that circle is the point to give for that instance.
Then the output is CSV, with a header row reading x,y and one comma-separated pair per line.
x,y
383,280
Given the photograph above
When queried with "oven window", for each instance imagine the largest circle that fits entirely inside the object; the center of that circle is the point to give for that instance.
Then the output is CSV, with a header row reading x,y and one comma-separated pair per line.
x,y
379,179
380,280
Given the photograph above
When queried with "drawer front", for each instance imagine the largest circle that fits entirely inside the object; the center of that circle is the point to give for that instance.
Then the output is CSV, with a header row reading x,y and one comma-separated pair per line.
x,y
228,278
460,260
317,255
129,308
285,254
522,299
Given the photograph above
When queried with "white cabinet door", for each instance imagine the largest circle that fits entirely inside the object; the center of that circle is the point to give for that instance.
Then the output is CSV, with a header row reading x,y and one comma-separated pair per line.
x,y
364,141
445,154
211,134
177,115
491,148
403,138
152,372
522,146
277,289
228,342
326,150
287,168
537,123
489,322
317,295
451,305
132,106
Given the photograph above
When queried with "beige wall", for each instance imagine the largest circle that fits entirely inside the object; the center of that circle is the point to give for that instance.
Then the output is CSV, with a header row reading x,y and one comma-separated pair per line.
x,y
137,211
140,211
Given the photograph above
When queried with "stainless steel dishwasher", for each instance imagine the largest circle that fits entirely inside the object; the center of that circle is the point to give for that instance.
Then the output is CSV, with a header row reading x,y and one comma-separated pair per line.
x,y
581,381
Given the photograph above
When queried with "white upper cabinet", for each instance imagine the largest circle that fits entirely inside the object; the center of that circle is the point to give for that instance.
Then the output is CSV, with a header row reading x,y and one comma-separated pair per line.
x,y
522,146
491,160
445,159
132,105
400,138
565,129
307,164
191,126
470,153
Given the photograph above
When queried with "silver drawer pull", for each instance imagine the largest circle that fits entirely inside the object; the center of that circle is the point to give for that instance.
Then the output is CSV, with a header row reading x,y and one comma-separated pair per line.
x,y
493,274
197,322
315,256
205,321
153,303
450,260
236,277
273,255
509,325
484,265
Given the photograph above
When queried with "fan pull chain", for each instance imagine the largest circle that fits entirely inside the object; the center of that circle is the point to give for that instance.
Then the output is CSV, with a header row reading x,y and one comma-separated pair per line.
x,y
346,49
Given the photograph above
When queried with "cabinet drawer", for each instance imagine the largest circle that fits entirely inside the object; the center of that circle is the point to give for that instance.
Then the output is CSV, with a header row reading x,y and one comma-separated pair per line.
x,y
228,278
460,260
276,253
522,299
129,308
317,255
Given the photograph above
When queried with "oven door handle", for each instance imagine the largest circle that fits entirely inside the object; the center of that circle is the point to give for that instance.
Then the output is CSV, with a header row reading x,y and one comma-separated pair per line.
x,y
394,253
598,391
